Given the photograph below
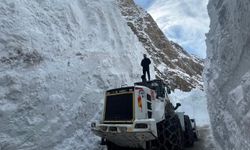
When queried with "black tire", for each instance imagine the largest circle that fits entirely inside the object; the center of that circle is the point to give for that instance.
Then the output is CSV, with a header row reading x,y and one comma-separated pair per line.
x,y
112,146
151,145
170,135
189,134
196,137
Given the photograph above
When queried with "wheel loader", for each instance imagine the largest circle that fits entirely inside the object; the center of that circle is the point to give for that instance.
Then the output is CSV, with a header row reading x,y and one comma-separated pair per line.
x,y
142,116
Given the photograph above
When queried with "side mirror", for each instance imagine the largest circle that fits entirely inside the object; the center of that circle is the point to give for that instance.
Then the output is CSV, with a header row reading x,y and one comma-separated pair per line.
x,y
177,106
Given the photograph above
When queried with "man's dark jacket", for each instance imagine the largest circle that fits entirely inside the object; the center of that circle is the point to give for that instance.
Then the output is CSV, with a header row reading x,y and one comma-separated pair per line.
x,y
145,63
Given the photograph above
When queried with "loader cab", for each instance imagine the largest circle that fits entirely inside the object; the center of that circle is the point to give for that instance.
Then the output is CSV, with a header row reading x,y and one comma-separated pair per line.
x,y
160,87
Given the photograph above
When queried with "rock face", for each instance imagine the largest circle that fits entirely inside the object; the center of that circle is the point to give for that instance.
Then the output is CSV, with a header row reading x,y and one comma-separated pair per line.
x,y
227,73
56,59
172,62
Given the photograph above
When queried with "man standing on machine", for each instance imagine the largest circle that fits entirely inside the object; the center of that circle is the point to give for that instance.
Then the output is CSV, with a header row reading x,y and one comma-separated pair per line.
x,y
145,66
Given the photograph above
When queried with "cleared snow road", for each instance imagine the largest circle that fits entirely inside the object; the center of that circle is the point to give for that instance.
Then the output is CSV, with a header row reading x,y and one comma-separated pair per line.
x,y
206,141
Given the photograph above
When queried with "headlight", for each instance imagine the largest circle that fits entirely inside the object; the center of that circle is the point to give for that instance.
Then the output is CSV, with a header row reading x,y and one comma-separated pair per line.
x,y
103,128
123,129
141,126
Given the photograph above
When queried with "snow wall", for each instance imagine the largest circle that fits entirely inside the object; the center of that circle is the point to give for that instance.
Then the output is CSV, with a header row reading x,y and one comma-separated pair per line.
x,y
193,103
227,73
56,59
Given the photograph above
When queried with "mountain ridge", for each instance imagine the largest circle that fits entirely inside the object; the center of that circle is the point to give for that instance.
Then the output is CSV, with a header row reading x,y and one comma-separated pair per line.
x,y
172,63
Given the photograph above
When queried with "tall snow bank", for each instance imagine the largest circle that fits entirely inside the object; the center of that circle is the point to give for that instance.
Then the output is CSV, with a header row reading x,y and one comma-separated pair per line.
x,y
193,103
56,59
227,73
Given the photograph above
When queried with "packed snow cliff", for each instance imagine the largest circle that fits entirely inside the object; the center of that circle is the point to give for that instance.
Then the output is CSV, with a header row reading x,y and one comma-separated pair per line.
x,y
227,73
56,59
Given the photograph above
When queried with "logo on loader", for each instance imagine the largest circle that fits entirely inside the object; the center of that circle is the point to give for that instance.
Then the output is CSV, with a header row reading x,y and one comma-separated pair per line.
x,y
140,103
139,99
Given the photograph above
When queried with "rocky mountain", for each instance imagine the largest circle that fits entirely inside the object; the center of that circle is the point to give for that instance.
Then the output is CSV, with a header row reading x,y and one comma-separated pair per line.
x,y
172,63
227,73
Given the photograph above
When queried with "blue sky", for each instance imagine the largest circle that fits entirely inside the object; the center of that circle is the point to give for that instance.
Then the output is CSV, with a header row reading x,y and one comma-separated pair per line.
x,y
144,3
183,21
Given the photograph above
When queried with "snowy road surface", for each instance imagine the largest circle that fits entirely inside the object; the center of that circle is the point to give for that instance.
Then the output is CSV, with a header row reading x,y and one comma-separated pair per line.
x,y
205,140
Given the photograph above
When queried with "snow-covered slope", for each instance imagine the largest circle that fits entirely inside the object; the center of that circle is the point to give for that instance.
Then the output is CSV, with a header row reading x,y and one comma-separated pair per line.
x,y
56,59
228,73
172,63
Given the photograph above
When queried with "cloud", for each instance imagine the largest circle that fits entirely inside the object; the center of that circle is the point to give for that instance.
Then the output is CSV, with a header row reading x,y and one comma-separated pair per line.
x,y
184,22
